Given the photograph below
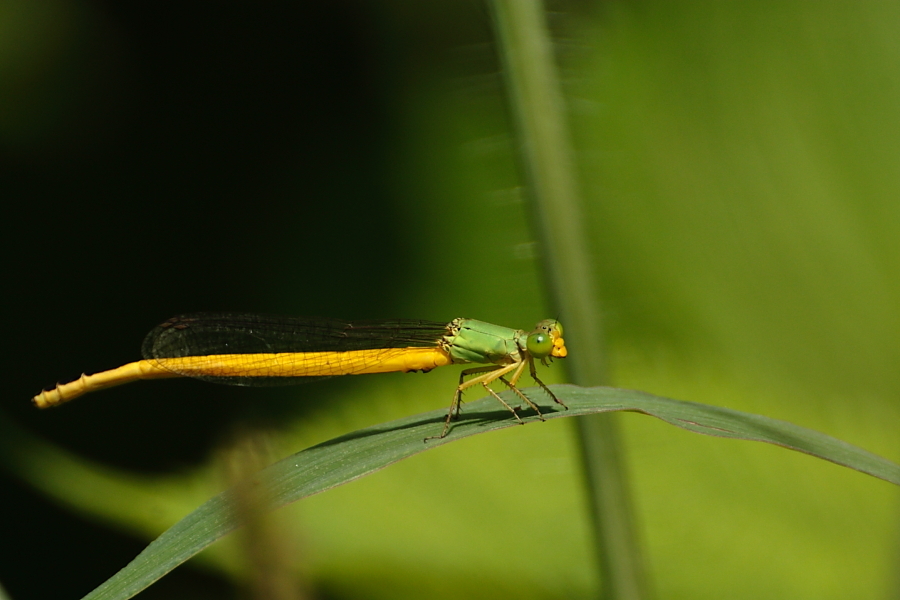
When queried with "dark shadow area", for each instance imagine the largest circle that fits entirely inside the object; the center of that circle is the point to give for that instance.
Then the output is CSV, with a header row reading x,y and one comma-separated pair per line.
x,y
235,159
61,555
175,158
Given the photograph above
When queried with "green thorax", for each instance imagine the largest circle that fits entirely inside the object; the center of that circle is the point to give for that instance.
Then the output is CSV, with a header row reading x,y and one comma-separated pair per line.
x,y
478,342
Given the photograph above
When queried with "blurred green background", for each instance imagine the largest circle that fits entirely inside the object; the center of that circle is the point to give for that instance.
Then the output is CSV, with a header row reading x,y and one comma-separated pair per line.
x,y
739,164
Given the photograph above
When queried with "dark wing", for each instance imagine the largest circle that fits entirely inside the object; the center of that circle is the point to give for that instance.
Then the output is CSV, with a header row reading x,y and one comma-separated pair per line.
x,y
205,334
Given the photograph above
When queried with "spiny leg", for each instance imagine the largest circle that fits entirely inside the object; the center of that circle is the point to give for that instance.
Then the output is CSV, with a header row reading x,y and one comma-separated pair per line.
x,y
491,373
455,406
501,400
457,396
489,378
527,400
511,384
541,383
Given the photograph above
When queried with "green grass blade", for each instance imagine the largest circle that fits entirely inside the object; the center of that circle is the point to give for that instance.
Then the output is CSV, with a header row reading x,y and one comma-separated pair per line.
x,y
546,157
362,452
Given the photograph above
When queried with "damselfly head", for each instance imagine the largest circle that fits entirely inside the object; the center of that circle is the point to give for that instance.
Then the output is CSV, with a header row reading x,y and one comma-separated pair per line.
x,y
546,341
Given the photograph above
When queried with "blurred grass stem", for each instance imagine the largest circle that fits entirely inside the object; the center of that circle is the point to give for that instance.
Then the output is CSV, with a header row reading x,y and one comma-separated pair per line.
x,y
536,103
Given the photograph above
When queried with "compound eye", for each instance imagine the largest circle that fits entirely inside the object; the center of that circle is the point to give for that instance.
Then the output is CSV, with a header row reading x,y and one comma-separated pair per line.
x,y
539,344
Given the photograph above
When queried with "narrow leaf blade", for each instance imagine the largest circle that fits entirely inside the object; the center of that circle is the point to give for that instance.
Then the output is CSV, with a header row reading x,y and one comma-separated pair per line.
x,y
356,454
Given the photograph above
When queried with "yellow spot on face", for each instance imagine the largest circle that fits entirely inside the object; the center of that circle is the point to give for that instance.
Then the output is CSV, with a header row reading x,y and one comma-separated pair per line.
x,y
559,348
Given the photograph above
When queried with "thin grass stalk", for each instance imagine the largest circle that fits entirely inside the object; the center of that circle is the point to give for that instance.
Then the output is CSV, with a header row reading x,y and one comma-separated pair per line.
x,y
535,98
